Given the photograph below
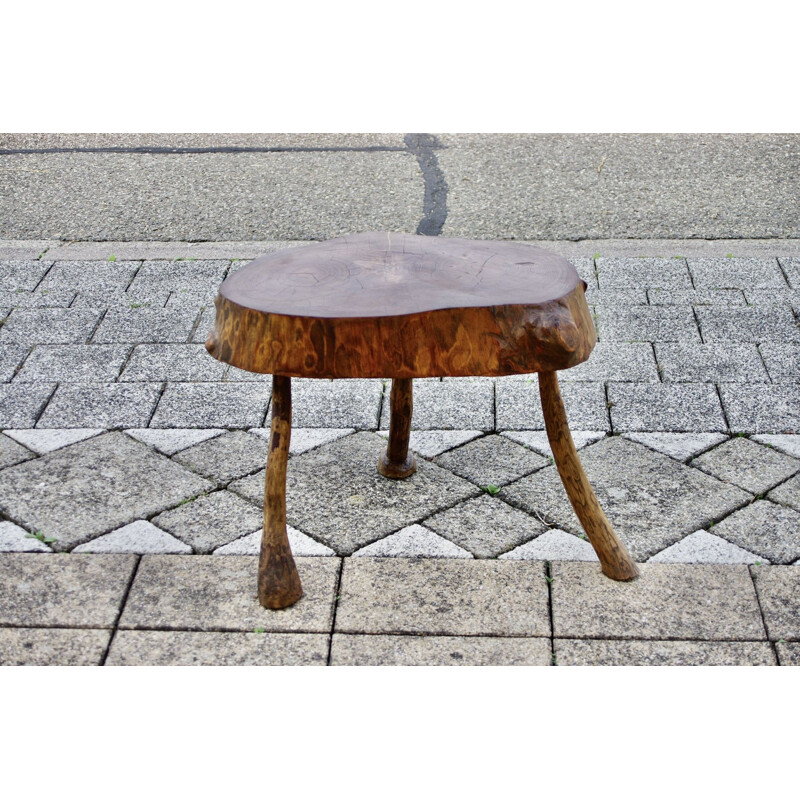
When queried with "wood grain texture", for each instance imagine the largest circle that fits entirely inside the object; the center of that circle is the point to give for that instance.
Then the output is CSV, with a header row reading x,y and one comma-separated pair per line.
x,y
615,560
278,582
397,461
400,306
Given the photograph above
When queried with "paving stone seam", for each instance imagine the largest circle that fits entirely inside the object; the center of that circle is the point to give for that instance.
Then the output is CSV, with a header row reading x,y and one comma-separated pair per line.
x,y
124,364
773,644
43,408
122,604
336,598
549,579
763,362
725,419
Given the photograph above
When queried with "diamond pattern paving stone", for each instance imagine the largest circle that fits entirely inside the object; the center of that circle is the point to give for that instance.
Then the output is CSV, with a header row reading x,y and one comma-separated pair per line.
x,y
646,324
23,275
138,537
538,441
782,360
687,362
748,324
11,356
45,441
624,273
14,539
303,439
250,545
680,446
21,404
665,407
336,404
92,487
736,273
473,651
554,545
432,443
226,457
455,597
519,406
702,547
211,593
485,526
212,405
77,591
413,542
492,460
85,275
213,648
44,647
170,442
172,362
613,653
749,465
336,494
107,405
787,493
211,520
651,500
667,601
779,595
49,326
454,404
785,443
762,409
12,453
765,528
73,363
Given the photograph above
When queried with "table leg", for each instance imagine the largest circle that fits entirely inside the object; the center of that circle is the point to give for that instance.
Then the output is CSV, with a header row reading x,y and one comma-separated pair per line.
x,y
614,557
397,462
278,581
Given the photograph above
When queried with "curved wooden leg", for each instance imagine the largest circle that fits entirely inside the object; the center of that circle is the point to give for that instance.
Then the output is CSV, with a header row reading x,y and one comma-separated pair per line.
x,y
397,462
614,557
278,581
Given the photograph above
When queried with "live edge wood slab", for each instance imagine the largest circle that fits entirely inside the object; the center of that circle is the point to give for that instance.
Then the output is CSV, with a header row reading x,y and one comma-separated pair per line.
x,y
393,305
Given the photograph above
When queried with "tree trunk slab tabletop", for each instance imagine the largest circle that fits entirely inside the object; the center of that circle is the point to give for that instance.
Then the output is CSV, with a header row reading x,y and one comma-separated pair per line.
x,y
393,305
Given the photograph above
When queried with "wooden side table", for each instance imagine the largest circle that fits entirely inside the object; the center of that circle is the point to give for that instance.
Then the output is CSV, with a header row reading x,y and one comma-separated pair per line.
x,y
391,305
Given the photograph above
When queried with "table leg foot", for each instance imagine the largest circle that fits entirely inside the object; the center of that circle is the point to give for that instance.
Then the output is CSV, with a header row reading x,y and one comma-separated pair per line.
x,y
615,560
278,582
397,462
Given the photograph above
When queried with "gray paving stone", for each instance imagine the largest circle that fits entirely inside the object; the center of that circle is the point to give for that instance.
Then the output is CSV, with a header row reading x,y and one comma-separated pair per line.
x,y
205,325
109,405
736,273
485,526
646,324
665,407
212,593
788,653
749,465
616,297
69,591
212,405
45,441
667,601
494,460
12,453
554,545
772,298
81,276
430,651
14,539
413,542
118,300
616,653
695,297
52,647
702,547
180,276
788,493
49,326
73,363
45,298
538,441
786,443
762,409
23,275
779,595
336,494
236,374
92,487
226,457
146,325
651,500
21,404
782,360
250,545
519,406
435,442
11,356
764,528
615,361
584,266
170,442
448,405
336,404
211,520
754,324
718,362
303,439
213,648
791,267
172,362
455,597
138,537
169,251
680,446
11,249
625,273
